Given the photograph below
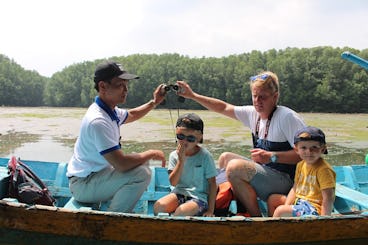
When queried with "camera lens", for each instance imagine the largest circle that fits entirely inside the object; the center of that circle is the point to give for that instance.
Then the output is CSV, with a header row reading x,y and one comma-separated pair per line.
x,y
167,87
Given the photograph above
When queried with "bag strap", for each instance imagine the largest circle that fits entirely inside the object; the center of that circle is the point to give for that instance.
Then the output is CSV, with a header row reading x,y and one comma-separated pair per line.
x,y
13,166
13,171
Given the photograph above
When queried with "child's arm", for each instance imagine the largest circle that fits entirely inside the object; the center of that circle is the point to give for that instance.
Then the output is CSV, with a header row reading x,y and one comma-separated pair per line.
x,y
328,198
212,190
174,176
290,199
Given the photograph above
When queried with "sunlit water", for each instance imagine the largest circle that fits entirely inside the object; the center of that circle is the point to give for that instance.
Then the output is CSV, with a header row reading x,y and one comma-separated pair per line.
x,y
45,148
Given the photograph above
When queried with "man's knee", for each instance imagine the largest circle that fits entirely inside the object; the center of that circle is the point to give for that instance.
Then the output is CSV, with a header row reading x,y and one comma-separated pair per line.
x,y
240,169
232,170
223,159
146,171
143,174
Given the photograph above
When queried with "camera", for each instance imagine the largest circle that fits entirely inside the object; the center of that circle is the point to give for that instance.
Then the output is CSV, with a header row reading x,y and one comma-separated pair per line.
x,y
173,87
170,87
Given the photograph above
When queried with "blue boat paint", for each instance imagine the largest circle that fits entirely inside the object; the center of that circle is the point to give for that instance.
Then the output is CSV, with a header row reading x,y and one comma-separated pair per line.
x,y
351,190
355,59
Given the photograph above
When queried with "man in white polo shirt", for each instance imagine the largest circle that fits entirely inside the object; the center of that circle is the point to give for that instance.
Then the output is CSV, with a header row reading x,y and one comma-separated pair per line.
x,y
99,171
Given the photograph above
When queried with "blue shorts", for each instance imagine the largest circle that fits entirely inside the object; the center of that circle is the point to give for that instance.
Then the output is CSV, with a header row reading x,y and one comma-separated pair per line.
x,y
202,206
268,181
303,207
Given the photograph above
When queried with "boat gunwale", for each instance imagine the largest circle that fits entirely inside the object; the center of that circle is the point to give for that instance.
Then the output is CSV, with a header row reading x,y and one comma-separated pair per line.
x,y
358,215
146,229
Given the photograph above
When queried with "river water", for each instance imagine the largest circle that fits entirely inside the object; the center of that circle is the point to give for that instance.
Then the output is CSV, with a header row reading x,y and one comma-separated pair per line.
x,y
49,134
47,148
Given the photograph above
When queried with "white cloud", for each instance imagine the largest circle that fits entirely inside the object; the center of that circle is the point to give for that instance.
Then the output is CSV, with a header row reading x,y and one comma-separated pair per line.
x,y
49,35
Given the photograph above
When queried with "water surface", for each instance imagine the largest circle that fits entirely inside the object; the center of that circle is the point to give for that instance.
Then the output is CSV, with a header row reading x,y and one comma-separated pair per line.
x,y
48,148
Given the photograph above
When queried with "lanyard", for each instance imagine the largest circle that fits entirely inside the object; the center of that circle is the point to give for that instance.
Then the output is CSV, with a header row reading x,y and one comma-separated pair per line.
x,y
267,124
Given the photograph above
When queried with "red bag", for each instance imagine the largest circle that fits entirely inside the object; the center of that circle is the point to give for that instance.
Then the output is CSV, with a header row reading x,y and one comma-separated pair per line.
x,y
223,199
25,186
224,196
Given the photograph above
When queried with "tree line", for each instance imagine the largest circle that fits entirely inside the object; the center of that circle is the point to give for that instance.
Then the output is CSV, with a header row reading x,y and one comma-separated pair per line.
x,y
311,79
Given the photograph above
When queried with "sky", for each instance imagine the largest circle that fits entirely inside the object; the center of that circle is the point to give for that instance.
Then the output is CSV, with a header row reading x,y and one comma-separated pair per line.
x,y
48,35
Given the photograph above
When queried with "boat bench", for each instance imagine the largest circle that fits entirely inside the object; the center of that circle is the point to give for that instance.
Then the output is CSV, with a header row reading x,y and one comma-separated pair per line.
x,y
158,187
353,176
347,198
352,195
350,188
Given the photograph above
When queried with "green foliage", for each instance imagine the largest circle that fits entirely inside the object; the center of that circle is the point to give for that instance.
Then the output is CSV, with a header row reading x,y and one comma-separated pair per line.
x,y
312,80
19,87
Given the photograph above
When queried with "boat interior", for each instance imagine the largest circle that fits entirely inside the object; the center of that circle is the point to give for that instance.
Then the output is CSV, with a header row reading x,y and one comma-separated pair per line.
x,y
351,188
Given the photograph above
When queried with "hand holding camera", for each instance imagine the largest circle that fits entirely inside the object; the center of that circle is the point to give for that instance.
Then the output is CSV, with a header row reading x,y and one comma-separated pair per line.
x,y
172,87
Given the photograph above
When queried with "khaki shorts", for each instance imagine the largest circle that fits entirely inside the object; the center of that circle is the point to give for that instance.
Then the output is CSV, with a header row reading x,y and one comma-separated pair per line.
x,y
269,181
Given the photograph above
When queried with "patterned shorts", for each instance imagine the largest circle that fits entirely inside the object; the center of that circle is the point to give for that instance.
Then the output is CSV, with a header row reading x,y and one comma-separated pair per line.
x,y
303,207
202,206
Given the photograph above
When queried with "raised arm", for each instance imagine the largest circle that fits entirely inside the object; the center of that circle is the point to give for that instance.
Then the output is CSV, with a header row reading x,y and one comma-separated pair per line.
x,y
210,103
141,111
124,162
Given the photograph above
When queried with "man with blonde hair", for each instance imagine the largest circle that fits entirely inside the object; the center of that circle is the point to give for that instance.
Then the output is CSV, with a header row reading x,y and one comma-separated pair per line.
x,y
272,165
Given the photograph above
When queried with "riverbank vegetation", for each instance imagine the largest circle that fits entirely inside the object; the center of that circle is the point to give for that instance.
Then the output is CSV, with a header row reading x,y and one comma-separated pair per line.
x,y
312,80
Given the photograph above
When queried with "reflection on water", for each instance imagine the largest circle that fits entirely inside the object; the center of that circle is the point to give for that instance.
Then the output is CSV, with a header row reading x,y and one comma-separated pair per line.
x,y
14,140
45,148
35,147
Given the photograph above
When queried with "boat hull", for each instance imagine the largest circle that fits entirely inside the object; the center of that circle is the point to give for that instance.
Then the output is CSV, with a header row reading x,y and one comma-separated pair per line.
x,y
78,223
50,225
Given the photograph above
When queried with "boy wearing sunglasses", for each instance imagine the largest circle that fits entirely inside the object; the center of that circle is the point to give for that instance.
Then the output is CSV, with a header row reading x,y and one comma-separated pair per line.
x,y
192,172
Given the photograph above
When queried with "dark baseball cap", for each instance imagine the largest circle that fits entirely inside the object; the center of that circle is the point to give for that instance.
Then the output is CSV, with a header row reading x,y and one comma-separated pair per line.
x,y
191,121
310,133
110,69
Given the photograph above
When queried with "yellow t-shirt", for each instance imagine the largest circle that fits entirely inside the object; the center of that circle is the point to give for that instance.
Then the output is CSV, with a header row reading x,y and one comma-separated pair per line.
x,y
311,180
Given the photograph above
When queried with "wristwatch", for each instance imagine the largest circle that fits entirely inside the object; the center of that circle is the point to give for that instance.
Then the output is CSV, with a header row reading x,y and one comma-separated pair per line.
x,y
274,157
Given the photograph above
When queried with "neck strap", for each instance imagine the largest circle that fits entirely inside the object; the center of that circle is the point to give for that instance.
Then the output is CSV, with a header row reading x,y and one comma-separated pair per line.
x,y
267,124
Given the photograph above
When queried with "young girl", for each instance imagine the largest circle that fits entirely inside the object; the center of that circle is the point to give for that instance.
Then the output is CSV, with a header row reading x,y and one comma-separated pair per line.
x,y
313,192
192,172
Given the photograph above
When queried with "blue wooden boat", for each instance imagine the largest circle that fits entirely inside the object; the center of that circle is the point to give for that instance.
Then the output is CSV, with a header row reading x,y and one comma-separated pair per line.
x,y
71,222
355,59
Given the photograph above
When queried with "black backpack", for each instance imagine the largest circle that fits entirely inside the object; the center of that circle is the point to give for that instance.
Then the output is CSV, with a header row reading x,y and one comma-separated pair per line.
x,y
25,185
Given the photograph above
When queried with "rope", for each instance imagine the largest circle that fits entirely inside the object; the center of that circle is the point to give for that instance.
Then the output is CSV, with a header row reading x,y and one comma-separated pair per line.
x,y
172,121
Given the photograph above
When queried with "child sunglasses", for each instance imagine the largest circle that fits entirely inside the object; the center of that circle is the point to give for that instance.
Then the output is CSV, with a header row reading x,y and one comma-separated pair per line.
x,y
189,138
